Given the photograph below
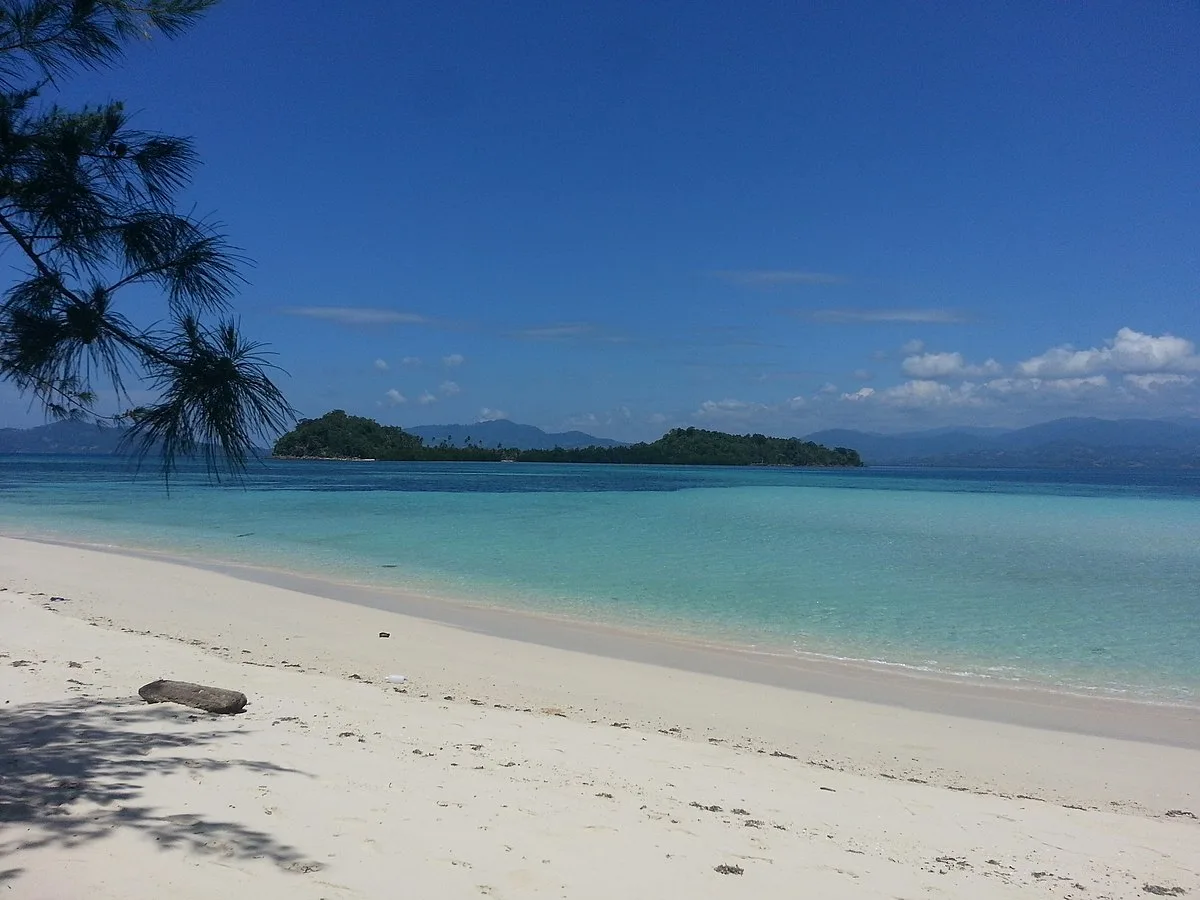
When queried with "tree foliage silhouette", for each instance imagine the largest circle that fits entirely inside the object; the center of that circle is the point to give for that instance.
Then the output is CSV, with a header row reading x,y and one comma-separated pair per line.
x,y
87,207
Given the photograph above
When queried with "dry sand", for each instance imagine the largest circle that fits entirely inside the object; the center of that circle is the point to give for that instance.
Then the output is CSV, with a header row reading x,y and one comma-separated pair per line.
x,y
508,768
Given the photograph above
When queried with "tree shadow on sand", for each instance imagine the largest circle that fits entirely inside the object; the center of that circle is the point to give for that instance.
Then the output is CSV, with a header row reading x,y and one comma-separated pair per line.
x,y
71,772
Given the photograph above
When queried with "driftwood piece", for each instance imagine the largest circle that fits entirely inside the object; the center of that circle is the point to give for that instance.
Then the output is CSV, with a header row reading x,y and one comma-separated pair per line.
x,y
199,696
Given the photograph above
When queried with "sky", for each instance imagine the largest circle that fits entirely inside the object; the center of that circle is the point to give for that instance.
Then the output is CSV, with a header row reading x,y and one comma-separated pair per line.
x,y
767,216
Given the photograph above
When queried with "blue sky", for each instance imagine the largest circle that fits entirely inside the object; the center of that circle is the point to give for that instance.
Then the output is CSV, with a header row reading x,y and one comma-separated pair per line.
x,y
626,216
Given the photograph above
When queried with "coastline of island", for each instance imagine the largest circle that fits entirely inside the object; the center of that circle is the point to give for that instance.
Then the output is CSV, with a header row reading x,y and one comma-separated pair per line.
x,y
342,437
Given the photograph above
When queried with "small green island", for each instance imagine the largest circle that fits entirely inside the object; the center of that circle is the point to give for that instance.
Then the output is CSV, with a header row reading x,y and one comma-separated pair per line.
x,y
340,436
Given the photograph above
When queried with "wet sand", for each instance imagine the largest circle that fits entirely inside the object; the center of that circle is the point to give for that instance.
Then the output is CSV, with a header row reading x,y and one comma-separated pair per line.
x,y
529,756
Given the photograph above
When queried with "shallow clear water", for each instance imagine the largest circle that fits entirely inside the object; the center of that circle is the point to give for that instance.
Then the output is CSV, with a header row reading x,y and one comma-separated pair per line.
x,y
1085,580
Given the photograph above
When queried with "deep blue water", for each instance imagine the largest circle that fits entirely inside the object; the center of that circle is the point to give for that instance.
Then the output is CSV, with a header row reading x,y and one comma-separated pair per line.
x,y
1089,580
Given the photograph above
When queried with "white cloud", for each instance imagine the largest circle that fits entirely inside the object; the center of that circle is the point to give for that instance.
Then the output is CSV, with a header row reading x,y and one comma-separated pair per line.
x,y
490,415
380,365
1062,378
928,393
556,332
1130,351
454,359
924,393
1158,380
946,365
395,398
932,316
1061,387
908,348
426,398
933,365
1073,385
725,405
728,411
356,315
449,389
603,422
570,331
950,388
411,361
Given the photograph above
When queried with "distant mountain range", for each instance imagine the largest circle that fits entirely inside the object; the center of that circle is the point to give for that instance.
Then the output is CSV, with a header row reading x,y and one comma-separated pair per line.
x,y
84,438
1062,443
62,437
503,433
71,438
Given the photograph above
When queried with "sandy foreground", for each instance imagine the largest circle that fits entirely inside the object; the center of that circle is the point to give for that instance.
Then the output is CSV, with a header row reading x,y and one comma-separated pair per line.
x,y
510,769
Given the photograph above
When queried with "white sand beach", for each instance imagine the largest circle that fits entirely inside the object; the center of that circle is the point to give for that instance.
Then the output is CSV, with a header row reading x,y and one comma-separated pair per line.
x,y
509,769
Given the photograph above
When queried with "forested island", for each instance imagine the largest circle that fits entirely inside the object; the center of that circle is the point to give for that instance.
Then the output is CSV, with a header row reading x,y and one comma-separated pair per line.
x,y
337,435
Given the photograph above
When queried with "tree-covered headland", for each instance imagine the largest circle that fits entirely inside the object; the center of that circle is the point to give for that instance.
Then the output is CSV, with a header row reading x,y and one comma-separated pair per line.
x,y
337,435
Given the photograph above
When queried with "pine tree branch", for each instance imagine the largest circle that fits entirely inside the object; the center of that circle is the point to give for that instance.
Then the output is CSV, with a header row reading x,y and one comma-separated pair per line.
x,y
91,206
20,239
92,38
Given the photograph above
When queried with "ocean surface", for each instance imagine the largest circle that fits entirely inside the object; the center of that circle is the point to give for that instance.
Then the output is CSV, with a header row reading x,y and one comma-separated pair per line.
x,y
1084,581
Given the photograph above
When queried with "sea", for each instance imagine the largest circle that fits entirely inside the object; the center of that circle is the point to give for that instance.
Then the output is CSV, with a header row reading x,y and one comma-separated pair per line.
x,y
1080,581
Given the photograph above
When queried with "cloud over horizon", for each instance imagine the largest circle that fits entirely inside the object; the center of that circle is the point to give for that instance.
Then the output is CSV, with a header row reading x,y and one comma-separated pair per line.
x,y
947,365
1129,351
568,331
356,315
943,388
913,316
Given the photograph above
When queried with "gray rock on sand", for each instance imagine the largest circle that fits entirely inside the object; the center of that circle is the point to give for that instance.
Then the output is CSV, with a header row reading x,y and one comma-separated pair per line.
x,y
198,696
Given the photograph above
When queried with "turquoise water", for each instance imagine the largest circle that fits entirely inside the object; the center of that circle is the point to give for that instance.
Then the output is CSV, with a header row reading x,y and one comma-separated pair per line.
x,y
1086,581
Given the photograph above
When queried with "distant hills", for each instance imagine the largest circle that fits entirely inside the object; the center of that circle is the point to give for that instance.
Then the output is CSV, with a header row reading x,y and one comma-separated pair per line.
x,y
503,433
71,438
67,437
340,436
1062,443
85,438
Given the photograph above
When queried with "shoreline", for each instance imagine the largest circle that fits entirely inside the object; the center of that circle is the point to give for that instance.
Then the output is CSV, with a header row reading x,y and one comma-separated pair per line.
x,y
1023,704
502,768
1150,664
